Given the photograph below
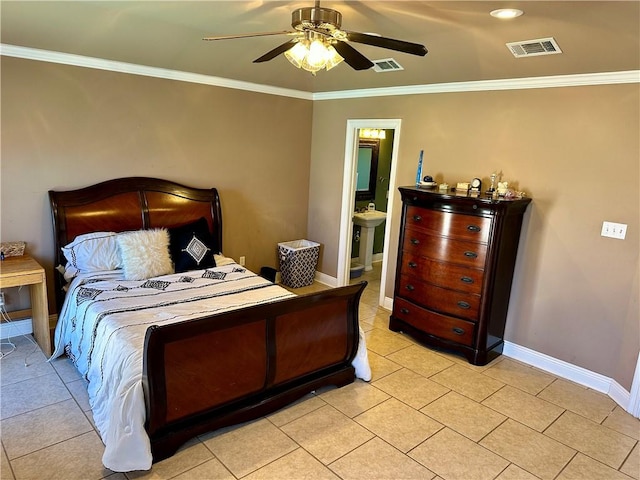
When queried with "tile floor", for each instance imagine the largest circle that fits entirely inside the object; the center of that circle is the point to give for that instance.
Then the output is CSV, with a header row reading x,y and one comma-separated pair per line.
x,y
424,415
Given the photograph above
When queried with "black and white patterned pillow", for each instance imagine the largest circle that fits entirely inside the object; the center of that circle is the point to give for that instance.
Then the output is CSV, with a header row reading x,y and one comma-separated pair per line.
x,y
191,246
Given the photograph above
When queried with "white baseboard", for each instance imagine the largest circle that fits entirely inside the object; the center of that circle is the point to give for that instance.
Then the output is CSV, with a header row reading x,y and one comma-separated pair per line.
x,y
630,402
573,373
326,279
15,328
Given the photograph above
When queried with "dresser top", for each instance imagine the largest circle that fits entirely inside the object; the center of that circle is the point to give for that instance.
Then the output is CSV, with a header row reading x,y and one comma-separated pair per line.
x,y
473,203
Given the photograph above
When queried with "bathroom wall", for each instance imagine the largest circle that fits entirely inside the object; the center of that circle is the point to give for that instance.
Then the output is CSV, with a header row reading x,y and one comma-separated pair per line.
x,y
381,196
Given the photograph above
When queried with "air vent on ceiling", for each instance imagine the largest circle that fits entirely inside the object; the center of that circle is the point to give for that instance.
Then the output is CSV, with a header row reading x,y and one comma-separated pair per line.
x,y
386,65
530,48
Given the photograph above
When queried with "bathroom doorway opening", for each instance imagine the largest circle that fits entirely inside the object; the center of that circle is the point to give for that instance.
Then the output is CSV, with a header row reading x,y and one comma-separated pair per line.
x,y
349,196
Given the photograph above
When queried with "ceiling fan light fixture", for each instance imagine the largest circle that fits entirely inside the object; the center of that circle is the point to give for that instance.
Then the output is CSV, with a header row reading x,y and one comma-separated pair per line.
x,y
506,13
313,53
333,58
297,54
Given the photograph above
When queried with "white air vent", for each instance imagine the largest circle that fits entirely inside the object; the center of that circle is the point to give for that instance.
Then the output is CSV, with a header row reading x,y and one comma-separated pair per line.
x,y
386,65
530,48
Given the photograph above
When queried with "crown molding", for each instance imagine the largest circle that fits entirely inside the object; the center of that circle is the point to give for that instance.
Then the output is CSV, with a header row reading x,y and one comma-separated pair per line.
x,y
134,69
607,78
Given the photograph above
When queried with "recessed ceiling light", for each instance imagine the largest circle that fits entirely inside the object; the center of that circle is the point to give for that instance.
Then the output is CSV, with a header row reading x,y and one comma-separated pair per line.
x,y
506,13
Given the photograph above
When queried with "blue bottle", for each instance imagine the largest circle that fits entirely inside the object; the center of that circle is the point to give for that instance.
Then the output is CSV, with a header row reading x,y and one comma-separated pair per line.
x,y
419,172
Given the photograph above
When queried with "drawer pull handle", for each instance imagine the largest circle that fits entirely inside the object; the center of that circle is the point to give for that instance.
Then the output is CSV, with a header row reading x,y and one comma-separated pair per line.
x,y
415,241
458,330
471,254
466,279
404,311
473,228
413,264
417,218
464,305
410,287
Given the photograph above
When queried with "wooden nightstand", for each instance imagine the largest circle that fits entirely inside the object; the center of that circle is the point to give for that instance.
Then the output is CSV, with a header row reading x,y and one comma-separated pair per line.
x,y
24,270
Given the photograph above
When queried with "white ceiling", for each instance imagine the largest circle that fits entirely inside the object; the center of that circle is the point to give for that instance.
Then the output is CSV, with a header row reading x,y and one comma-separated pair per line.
x,y
465,43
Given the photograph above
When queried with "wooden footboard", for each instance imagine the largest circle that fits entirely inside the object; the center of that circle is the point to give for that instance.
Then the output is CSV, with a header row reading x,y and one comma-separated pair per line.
x,y
205,374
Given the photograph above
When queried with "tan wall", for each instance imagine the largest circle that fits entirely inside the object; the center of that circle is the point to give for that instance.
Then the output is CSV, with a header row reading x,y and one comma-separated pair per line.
x,y
65,127
574,150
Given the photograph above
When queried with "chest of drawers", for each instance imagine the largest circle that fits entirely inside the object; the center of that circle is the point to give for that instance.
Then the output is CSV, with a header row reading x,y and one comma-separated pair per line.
x,y
456,259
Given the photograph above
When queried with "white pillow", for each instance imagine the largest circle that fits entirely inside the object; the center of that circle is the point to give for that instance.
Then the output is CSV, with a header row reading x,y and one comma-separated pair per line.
x,y
145,253
221,260
92,252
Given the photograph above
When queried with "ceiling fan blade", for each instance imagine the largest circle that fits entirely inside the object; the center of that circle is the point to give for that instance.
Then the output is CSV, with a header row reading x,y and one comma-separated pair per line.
x,y
249,35
354,58
390,43
276,51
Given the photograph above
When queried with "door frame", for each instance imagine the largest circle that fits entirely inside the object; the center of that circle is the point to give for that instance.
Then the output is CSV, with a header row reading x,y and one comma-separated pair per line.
x,y
348,195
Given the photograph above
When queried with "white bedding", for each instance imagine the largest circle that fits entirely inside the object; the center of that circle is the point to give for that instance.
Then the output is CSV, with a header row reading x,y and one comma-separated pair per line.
x,y
102,327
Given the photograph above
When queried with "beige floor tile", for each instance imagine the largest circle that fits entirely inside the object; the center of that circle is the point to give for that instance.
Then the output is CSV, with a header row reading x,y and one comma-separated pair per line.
x,y
465,416
400,425
513,472
381,366
355,398
248,447
593,405
631,466
455,457
410,388
189,456
297,465
460,359
43,427
307,404
78,389
78,458
5,468
212,469
528,449
380,319
384,342
519,375
421,360
18,398
474,385
367,312
22,365
590,438
582,467
327,434
523,407
66,369
378,460
623,422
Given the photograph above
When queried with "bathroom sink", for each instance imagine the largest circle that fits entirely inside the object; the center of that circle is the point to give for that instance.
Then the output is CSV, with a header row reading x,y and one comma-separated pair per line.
x,y
369,219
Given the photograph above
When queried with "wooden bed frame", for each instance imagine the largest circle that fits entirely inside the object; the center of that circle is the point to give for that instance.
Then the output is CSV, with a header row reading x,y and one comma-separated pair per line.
x,y
212,372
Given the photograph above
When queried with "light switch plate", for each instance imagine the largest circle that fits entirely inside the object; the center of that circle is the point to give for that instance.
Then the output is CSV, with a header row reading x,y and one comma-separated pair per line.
x,y
614,230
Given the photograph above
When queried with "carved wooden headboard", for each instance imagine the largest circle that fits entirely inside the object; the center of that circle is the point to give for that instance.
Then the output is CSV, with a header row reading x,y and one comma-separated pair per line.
x,y
125,204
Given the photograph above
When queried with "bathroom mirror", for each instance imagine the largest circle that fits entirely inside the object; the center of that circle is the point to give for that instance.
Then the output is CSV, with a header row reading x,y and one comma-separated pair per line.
x,y
367,168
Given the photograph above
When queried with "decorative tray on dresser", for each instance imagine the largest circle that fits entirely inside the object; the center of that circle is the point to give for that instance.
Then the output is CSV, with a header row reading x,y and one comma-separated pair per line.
x,y
456,258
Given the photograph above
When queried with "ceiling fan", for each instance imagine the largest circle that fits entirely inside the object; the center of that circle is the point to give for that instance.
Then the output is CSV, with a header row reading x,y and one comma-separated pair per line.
x,y
319,42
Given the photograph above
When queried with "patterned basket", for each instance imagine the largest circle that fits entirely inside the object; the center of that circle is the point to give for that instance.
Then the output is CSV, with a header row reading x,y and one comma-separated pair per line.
x,y
298,261
12,249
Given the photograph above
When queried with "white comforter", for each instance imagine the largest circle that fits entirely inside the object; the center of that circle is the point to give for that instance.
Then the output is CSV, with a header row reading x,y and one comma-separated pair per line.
x,y
102,327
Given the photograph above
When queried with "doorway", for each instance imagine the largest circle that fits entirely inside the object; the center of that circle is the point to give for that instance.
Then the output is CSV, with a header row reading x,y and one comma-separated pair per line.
x,y
349,195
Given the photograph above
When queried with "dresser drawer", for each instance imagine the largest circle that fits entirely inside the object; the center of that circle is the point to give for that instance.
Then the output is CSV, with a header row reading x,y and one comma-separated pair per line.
x,y
454,225
470,254
452,302
446,275
454,329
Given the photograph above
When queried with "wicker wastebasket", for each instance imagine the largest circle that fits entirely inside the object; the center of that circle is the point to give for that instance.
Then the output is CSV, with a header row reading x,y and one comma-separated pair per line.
x,y
298,261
